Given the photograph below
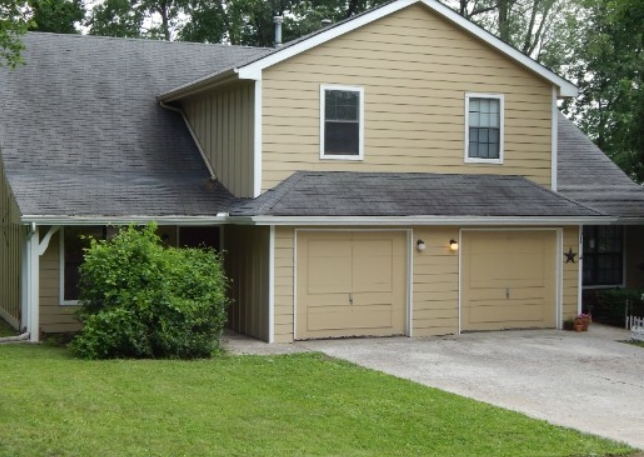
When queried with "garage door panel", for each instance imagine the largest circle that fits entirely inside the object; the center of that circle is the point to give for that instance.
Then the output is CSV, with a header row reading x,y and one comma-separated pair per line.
x,y
528,310
350,318
350,283
508,279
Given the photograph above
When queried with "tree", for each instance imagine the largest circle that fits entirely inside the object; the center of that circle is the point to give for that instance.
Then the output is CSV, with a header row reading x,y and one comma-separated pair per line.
x,y
14,22
116,18
57,16
607,64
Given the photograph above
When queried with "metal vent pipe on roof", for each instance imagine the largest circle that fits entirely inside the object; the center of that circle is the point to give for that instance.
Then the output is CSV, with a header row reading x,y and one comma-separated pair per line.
x,y
326,22
278,20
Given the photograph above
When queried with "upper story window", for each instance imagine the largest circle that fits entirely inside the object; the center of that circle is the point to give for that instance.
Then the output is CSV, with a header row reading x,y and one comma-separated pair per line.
x,y
603,255
484,128
342,122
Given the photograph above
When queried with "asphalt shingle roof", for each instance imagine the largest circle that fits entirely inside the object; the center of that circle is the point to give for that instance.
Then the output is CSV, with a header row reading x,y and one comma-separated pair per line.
x,y
408,194
587,175
82,134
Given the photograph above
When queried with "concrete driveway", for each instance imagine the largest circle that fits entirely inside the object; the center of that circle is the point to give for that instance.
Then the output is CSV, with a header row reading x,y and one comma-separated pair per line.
x,y
587,381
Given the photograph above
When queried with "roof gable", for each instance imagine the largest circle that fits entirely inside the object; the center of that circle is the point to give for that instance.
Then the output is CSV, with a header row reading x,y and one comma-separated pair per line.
x,y
252,68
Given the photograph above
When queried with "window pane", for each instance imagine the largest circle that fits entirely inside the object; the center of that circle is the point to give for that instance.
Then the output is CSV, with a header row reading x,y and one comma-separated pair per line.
x,y
341,105
74,253
341,138
484,128
603,255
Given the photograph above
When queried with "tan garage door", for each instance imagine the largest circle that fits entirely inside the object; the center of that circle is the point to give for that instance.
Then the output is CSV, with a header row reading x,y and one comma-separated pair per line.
x,y
508,280
350,284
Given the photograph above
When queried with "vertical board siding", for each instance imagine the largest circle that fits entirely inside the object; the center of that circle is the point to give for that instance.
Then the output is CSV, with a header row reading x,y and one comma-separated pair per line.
x,y
284,283
435,282
54,317
12,237
570,286
246,260
415,69
223,122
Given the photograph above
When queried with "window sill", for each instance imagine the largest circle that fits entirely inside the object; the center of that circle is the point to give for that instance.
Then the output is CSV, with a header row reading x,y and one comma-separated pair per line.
x,y
485,161
353,158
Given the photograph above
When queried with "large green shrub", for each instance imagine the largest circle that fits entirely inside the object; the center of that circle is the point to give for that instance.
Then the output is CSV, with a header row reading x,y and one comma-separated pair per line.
x,y
610,306
141,299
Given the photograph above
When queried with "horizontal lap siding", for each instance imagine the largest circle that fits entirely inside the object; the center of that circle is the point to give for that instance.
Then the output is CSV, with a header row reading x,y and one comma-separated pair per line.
x,y
54,318
570,289
12,236
246,260
435,282
223,123
415,69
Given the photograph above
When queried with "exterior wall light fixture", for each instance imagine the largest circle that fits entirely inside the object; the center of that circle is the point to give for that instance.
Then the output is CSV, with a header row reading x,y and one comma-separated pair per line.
x,y
453,245
420,245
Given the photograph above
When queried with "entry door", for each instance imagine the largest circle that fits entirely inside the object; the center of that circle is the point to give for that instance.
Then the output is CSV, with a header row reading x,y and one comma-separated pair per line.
x,y
350,284
508,280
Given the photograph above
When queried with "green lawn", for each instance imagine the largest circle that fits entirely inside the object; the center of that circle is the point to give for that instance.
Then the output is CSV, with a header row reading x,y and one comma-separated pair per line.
x,y
296,405
6,329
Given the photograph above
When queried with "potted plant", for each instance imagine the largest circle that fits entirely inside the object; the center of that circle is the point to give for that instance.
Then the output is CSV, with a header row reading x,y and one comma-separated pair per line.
x,y
582,321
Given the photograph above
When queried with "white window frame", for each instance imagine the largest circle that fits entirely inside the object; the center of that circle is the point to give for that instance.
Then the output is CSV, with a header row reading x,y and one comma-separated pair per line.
x,y
360,90
501,100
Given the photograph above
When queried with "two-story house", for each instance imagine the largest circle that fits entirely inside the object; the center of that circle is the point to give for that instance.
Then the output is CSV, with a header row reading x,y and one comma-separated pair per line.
x,y
393,174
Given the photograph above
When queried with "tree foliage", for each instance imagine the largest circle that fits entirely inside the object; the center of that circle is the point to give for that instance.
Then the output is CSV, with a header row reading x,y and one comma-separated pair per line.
x,y
606,60
14,22
57,16
143,300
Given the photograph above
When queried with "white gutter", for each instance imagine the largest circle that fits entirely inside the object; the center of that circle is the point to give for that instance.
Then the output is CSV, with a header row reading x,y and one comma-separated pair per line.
x,y
220,218
419,220
193,135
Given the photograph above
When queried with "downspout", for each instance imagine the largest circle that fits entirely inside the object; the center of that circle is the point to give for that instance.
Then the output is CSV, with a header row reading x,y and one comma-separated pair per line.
x,y
33,302
213,176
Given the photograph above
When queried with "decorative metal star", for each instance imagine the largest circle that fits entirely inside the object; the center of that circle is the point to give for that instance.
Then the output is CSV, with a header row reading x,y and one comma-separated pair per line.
x,y
570,256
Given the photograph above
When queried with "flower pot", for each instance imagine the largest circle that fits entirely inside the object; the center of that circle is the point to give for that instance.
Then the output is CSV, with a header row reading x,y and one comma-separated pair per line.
x,y
579,327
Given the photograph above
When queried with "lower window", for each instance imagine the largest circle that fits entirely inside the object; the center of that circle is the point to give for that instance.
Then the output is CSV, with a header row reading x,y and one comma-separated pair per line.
x,y
603,255
72,251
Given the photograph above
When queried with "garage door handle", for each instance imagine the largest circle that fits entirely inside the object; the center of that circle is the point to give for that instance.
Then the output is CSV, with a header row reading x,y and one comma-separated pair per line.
x,y
351,299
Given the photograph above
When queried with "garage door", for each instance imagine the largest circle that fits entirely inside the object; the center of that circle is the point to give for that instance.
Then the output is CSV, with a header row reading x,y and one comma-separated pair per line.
x,y
350,284
508,280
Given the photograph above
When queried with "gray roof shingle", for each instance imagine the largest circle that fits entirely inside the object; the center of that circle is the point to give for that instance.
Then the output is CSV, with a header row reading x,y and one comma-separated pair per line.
x,y
408,194
82,134
587,175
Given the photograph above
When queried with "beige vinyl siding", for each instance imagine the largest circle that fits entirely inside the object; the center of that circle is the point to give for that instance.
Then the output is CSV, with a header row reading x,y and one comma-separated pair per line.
x,y
570,289
223,122
415,70
435,282
634,252
54,318
284,277
246,260
12,238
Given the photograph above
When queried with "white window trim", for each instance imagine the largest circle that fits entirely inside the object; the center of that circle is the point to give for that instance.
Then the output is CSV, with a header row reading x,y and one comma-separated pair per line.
x,y
61,271
499,97
360,90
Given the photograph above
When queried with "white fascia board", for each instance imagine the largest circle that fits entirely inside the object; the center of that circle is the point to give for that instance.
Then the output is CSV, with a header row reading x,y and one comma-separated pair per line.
x,y
254,70
419,220
102,220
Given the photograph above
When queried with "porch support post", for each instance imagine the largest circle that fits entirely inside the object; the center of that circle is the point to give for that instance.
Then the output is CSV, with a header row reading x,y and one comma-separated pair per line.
x,y
33,284
35,248
24,286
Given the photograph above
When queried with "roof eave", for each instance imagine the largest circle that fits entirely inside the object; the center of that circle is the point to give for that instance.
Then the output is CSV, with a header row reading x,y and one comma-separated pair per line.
x,y
423,220
220,218
206,83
